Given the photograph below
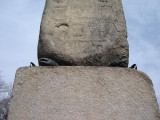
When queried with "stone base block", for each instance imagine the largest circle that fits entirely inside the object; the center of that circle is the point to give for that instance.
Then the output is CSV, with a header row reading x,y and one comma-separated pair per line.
x,y
82,93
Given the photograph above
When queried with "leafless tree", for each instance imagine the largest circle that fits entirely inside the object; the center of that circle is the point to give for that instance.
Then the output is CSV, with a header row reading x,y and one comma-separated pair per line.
x,y
4,103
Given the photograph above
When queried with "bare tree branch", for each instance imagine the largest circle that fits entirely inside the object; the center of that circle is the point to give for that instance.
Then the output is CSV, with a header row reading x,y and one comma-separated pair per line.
x,y
4,103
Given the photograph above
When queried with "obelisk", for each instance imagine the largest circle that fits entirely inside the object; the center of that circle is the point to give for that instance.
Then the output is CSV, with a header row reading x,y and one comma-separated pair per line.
x,y
83,32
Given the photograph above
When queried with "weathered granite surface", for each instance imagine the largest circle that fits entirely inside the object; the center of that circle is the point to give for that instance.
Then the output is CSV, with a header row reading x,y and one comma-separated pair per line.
x,y
82,93
83,32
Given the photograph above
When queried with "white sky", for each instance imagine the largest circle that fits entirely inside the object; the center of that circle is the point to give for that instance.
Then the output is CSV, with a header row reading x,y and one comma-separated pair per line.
x,y
19,32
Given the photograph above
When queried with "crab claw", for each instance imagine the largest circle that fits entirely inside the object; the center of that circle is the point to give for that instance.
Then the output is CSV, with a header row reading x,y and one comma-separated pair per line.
x,y
47,62
32,64
123,56
134,66
118,61
121,61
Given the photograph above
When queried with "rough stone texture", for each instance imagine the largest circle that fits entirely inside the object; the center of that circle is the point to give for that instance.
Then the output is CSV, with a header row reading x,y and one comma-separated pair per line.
x,y
83,32
82,93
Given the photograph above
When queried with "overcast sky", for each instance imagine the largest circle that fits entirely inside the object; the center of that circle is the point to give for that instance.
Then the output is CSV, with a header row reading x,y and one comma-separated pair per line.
x,y
19,32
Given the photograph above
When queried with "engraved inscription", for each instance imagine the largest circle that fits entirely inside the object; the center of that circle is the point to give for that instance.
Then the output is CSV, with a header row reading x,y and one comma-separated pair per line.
x,y
95,47
77,31
99,30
